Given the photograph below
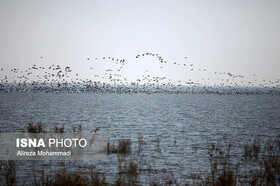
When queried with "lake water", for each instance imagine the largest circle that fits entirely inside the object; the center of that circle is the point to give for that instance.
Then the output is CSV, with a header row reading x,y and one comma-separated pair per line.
x,y
185,124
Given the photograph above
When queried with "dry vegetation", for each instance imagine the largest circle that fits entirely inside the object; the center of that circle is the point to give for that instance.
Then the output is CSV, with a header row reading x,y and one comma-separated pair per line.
x,y
123,147
35,128
259,164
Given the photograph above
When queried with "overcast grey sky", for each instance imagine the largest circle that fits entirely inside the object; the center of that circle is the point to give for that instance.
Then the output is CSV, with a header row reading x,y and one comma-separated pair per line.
x,y
240,36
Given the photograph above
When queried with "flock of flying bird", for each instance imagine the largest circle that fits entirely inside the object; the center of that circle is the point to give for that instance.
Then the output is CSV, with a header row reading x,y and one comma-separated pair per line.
x,y
55,78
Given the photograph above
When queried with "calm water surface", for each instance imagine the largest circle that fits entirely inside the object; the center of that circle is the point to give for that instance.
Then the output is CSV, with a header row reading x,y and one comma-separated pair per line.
x,y
186,124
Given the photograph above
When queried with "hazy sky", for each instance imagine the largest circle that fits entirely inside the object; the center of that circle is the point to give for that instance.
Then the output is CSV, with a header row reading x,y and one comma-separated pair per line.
x,y
240,36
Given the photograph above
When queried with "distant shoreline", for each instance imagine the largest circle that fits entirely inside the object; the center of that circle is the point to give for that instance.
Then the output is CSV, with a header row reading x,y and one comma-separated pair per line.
x,y
134,88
